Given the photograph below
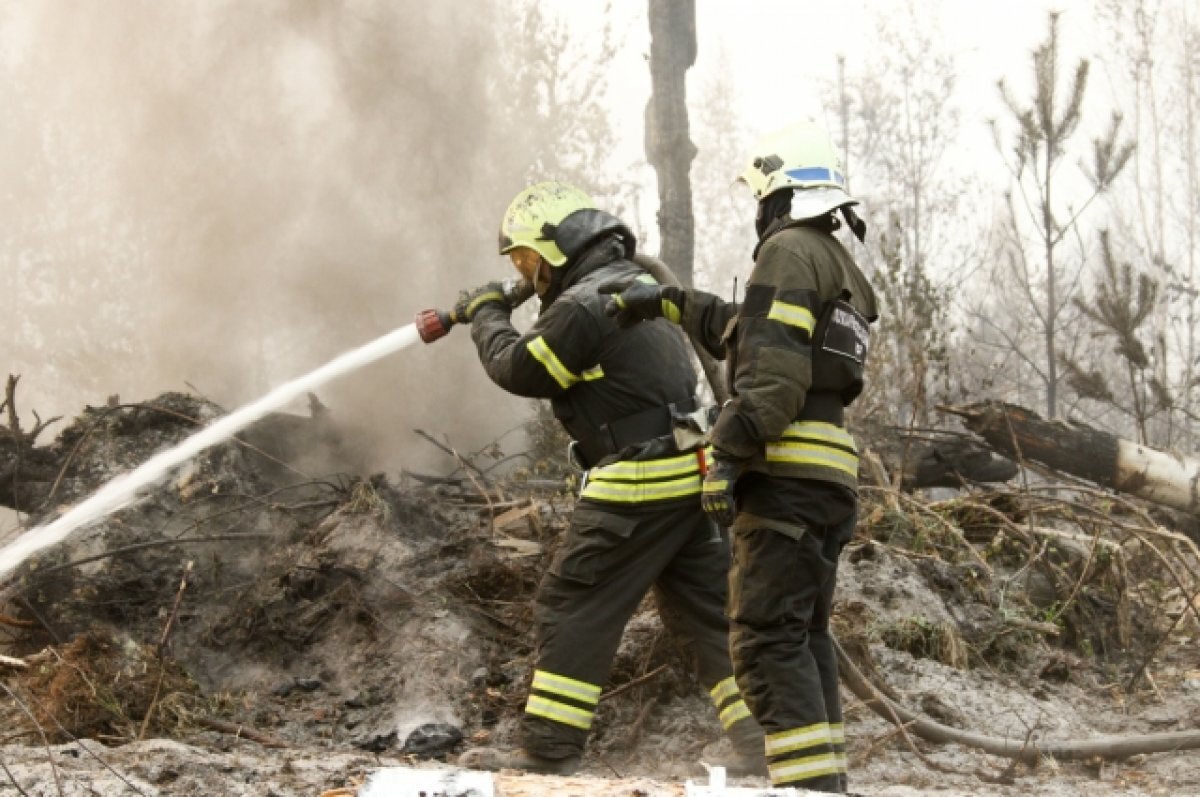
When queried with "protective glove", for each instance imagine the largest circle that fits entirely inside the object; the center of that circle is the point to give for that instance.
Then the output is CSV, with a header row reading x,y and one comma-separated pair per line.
x,y
469,302
716,494
517,291
632,302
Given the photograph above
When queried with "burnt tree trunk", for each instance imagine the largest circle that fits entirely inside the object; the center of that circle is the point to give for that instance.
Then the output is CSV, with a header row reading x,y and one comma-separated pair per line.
x,y
951,463
1079,450
669,149
26,472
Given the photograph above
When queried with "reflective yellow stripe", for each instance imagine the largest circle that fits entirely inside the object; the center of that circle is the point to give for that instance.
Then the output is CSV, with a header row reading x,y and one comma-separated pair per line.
x,y
595,372
798,738
567,687
803,768
683,465
735,711
647,279
542,353
670,311
843,763
812,443
559,712
634,492
819,430
491,296
724,690
792,315
811,454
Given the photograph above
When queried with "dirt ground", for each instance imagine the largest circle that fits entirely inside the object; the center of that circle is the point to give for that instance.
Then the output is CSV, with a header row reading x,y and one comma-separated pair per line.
x,y
256,627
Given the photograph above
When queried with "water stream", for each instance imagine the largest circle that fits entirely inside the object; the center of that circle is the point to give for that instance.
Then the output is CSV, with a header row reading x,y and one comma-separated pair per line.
x,y
123,489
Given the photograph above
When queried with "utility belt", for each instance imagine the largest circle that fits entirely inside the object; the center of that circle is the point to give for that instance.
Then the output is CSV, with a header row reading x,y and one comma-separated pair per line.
x,y
630,430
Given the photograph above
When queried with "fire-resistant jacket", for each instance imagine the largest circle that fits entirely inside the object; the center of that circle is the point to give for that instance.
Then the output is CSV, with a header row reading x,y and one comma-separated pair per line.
x,y
795,349
596,375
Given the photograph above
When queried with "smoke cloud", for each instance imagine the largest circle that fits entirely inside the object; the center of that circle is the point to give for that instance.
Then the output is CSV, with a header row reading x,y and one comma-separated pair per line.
x,y
228,194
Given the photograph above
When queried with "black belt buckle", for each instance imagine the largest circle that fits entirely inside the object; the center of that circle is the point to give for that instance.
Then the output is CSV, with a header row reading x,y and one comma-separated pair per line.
x,y
575,457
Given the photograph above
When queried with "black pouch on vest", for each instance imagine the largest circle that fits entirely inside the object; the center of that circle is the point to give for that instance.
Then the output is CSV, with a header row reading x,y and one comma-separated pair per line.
x,y
843,331
841,342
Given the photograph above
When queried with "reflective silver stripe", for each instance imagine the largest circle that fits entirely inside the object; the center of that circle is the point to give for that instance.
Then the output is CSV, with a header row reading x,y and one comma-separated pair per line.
x,y
734,712
724,690
542,353
810,454
567,687
635,492
803,768
798,738
647,279
837,732
793,315
559,712
819,430
683,465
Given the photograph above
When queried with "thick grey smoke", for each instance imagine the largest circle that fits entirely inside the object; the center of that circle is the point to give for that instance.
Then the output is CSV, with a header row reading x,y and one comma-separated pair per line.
x,y
228,194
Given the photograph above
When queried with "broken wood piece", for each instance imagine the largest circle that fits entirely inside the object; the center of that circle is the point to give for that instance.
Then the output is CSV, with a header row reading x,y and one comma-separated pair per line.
x,y
519,547
241,731
514,516
1049,629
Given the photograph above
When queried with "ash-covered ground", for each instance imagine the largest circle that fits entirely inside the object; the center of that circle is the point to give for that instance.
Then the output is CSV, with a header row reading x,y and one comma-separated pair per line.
x,y
268,622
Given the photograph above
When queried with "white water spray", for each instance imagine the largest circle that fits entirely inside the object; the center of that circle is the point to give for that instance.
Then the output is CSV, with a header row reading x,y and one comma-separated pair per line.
x,y
123,489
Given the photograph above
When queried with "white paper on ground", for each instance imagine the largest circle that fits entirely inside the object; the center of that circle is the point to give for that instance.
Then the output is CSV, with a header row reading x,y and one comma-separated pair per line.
x,y
405,782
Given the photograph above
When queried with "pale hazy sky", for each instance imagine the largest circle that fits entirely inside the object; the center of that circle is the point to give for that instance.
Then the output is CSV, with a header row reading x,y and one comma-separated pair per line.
x,y
782,52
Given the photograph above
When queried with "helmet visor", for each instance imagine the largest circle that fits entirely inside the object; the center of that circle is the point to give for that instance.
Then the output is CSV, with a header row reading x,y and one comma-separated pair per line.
x,y
525,260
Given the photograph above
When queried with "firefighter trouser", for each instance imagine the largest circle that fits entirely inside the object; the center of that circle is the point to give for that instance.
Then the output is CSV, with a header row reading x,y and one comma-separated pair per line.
x,y
607,562
780,597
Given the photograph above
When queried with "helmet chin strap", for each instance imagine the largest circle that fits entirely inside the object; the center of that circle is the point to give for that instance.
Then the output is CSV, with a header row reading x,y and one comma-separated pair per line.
x,y
856,224
541,278
771,208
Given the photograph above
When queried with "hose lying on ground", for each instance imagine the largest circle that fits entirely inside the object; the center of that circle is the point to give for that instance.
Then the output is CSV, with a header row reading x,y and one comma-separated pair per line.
x,y
1025,750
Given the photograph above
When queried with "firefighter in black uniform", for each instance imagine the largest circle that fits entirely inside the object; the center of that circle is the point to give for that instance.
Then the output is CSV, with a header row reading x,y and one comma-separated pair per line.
x,y
786,469
638,522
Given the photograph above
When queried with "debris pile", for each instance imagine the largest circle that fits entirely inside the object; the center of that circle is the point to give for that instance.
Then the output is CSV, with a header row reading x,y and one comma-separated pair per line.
x,y
255,600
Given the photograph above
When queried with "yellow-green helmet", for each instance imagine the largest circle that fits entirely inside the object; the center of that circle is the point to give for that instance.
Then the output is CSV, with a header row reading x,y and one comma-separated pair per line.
x,y
532,219
800,156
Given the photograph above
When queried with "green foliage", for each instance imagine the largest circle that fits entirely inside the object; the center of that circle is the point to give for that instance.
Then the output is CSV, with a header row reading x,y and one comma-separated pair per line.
x,y
924,639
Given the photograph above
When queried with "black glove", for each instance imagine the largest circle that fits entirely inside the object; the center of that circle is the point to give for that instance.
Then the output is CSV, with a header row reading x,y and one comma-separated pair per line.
x,y
632,302
469,302
517,291
716,494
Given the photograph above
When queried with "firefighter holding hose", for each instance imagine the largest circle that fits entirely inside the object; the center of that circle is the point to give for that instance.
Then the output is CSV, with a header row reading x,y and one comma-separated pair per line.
x,y
638,524
785,468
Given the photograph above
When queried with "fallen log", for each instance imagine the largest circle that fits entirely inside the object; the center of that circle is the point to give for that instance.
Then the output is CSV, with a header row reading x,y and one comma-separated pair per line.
x,y
1079,450
948,462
